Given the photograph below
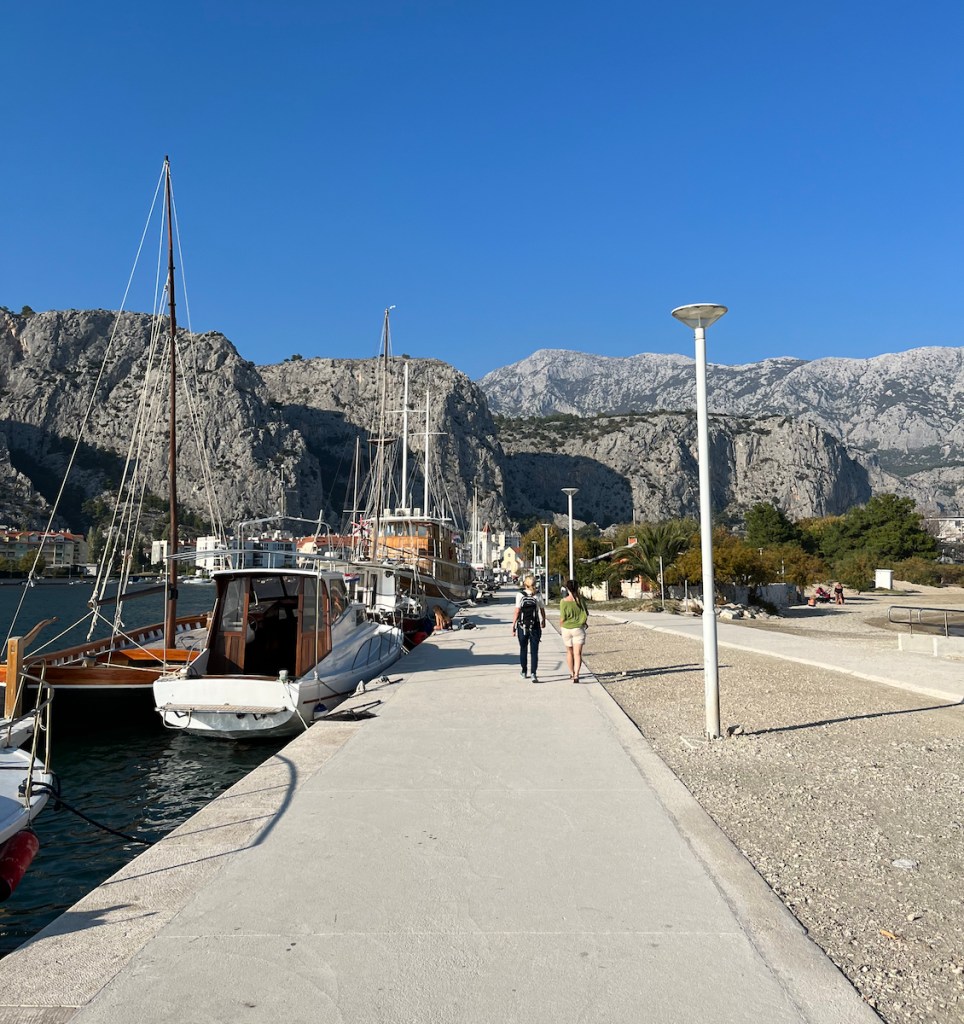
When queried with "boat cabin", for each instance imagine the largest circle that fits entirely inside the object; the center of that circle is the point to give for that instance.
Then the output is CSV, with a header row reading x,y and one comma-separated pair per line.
x,y
265,622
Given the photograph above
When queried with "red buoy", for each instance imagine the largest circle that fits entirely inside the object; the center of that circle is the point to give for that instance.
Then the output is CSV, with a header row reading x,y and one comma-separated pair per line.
x,y
16,855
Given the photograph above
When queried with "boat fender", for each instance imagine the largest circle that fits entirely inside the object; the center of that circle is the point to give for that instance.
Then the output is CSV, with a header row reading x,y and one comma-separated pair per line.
x,y
16,855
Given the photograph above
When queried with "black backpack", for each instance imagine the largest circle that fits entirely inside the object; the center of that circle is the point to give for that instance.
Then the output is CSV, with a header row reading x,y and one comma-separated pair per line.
x,y
528,615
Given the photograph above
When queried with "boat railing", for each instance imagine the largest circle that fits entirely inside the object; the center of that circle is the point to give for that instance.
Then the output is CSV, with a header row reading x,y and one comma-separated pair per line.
x,y
41,715
141,636
926,619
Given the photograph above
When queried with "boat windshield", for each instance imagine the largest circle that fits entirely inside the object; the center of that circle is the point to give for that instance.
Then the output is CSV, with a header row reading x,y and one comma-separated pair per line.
x,y
269,623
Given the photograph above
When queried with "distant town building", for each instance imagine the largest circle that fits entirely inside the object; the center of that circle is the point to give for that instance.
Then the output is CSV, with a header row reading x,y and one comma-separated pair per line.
x,y
263,551
949,532
490,547
328,545
59,549
511,561
946,528
159,552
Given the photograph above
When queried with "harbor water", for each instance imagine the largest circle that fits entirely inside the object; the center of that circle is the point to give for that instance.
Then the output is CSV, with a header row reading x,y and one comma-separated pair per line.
x,y
140,780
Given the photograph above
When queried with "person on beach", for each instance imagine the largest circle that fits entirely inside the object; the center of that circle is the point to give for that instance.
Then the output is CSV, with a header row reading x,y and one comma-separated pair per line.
x,y
838,593
528,622
573,620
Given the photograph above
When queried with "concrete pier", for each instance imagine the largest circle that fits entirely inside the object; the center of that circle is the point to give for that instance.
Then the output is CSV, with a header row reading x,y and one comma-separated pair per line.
x,y
482,849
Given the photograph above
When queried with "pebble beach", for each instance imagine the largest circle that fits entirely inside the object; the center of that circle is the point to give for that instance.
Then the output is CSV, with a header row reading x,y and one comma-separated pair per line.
x,y
846,795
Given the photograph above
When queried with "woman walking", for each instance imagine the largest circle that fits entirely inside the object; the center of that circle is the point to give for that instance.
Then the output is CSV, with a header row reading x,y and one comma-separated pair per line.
x,y
573,618
527,624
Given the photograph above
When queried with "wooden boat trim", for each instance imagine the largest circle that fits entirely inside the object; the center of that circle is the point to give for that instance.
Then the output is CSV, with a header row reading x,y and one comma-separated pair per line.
x,y
222,709
119,646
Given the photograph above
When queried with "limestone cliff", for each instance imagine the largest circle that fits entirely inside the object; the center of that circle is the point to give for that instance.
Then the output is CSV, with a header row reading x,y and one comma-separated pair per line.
x,y
285,434
60,369
647,465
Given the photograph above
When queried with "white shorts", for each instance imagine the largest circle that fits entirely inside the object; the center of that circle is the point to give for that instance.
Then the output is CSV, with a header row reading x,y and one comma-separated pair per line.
x,y
574,637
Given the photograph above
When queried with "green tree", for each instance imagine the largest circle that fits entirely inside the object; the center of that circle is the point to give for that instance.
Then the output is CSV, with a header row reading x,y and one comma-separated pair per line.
x,y
767,525
734,561
886,529
789,563
813,531
26,560
921,571
855,571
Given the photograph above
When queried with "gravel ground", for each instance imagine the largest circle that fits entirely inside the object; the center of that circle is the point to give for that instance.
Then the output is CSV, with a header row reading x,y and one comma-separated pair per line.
x,y
846,796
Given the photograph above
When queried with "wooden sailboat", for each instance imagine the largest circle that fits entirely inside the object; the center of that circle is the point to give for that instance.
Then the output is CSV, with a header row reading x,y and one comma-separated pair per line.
x,y
421,542
128,661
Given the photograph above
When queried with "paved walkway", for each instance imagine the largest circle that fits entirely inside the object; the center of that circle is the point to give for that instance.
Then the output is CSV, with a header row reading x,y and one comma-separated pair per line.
x,y
942,678
483,850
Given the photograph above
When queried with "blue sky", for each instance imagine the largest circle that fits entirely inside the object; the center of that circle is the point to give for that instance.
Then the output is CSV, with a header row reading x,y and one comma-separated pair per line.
x,y
512,176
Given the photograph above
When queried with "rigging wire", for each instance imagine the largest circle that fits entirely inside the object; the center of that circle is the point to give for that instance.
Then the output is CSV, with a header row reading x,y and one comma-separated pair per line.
x,y
85,419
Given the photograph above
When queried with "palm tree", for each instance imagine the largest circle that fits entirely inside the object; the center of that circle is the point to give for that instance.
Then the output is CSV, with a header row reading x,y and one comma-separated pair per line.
x,y
655,541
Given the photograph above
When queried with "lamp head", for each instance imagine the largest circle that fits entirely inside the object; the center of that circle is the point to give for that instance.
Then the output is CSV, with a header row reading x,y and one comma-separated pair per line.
x,y
702,314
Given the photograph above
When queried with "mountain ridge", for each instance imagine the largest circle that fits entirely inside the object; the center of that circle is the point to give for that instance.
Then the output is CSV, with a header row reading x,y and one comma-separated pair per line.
x,y
284,434
900,413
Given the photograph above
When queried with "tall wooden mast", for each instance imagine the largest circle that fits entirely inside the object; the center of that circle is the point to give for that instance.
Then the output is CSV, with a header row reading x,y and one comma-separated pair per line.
x,y
170,612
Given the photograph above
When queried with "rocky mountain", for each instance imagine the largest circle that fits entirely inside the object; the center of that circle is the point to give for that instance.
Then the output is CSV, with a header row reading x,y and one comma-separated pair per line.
x,y
286,434
81,373
331,402
898,414
645,465
278,435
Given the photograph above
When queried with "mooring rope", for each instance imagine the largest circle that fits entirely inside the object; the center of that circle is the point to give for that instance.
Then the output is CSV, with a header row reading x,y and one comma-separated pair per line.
x,y
58,800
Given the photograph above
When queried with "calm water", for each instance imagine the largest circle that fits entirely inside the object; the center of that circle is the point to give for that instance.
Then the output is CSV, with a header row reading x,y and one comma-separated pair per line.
x,y
142,781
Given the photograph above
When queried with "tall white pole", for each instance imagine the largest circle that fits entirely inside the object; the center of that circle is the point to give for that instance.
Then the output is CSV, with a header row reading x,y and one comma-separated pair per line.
x,y
699,316
710,659
546,562
569,492
571,564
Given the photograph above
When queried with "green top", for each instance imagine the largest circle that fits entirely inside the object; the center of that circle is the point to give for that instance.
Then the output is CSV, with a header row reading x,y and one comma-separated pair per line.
x,y
572,614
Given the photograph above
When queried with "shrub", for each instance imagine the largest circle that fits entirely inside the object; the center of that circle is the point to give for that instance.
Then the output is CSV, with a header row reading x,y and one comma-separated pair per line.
x,y
952,575
855,572
921,571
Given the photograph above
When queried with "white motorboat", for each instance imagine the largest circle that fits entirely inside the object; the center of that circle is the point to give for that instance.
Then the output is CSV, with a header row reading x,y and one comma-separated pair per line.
x,y
284,647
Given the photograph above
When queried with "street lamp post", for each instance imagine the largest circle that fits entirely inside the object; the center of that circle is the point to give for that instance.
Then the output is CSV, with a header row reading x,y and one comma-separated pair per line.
x,y
569,492
699,317
545,560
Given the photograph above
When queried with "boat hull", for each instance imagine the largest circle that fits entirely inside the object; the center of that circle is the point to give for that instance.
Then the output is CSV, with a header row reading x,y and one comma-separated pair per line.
x,y
15,813
102,678
239,707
